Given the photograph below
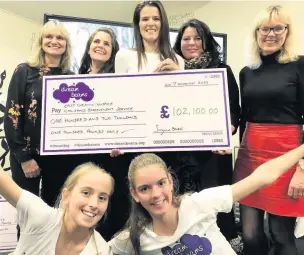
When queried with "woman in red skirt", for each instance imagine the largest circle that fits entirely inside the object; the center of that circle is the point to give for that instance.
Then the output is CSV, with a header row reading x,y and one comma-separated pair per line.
x,y
272,93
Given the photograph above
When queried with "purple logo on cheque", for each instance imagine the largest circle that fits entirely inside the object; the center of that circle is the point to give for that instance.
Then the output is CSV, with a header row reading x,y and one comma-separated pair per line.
x,y
78,91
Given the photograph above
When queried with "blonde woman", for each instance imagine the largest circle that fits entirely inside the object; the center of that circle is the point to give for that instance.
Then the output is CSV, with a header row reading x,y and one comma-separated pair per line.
x,y
22,119
69,228
272,95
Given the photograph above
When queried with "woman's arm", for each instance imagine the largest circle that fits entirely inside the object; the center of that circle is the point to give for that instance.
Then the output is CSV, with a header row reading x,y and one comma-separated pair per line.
x,y
242,122
9,189
295,188
14,115
121,65
267,173
234,99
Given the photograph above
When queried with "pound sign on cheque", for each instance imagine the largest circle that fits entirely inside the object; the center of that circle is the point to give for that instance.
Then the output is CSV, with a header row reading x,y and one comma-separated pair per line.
x,y
164,113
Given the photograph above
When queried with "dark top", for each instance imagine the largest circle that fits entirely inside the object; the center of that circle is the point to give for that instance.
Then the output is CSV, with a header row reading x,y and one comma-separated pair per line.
x,y
274,92
22,119
233,91
197,170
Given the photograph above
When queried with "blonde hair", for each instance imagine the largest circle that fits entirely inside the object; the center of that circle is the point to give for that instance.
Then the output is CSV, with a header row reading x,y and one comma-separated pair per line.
x,y
77,173
37,58
288,51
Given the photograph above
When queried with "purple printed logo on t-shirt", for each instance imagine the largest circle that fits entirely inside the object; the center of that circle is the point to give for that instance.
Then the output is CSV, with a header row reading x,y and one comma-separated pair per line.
x,y
189,245
78,91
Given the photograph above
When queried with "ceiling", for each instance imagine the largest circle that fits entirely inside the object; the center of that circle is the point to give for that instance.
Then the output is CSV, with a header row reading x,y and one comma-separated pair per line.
x,y
120,10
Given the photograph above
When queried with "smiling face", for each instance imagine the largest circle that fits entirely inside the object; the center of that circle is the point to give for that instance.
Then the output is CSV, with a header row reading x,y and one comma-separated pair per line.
x,y
53,42
191,44
87,202
101,47
275,39
153,189
150,23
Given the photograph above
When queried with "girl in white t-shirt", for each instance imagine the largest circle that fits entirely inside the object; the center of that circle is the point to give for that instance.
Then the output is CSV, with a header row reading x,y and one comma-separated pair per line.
x,y
152,53
69,228
163,223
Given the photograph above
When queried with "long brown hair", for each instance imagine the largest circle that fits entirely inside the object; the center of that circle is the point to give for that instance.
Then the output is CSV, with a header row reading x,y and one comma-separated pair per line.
x,y
139,216
164,46
86,60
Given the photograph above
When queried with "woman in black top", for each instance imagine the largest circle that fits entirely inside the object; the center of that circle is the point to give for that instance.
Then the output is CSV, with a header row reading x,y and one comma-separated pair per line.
x,y
272,93
198,170
22,119
99,58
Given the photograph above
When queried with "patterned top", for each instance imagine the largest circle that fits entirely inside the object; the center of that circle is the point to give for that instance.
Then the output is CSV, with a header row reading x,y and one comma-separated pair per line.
x,y
22,119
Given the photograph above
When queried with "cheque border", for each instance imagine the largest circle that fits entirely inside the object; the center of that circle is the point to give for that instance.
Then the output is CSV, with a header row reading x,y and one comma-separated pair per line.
x,y
127,148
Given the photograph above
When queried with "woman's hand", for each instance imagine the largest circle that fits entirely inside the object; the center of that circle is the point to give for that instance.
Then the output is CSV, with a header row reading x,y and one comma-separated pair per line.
x,y
116,152
296,185
225,152
30,168
167,65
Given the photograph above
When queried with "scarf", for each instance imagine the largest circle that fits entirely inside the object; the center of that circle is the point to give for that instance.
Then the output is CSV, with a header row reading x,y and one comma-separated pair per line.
x,y
199,63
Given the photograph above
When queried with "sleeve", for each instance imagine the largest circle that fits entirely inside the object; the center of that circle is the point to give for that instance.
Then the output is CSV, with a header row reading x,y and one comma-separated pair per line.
x,y
121,244
29,207
214,200
181,62
234,99
301,85
243,119
121,64
14,114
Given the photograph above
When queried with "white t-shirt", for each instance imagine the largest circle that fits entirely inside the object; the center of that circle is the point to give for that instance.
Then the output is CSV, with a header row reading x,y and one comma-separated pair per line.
x,y
40,227
197,232
126,62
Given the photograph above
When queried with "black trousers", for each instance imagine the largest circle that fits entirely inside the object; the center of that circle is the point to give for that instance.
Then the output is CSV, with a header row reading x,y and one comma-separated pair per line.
x,y
281,231
198,170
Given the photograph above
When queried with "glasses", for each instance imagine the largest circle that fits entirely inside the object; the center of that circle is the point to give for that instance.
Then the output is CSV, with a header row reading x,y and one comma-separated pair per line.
x,y
277,30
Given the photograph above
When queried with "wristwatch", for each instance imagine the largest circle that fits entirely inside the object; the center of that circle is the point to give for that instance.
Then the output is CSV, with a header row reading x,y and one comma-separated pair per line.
x,y
301,164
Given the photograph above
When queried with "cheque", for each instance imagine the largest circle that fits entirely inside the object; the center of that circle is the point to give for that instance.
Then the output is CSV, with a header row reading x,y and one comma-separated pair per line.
x,y
173,111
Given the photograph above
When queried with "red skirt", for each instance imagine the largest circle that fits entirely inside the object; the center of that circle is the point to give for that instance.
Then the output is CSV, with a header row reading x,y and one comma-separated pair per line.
x,y
260,143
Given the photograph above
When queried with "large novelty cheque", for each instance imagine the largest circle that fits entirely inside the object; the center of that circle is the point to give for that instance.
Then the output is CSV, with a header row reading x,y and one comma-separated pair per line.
x,y
175,111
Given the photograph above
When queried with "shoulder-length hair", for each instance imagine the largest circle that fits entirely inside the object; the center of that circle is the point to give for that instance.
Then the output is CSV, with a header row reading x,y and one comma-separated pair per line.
x,y
109,66
209,44
164,46
288,51
37,59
